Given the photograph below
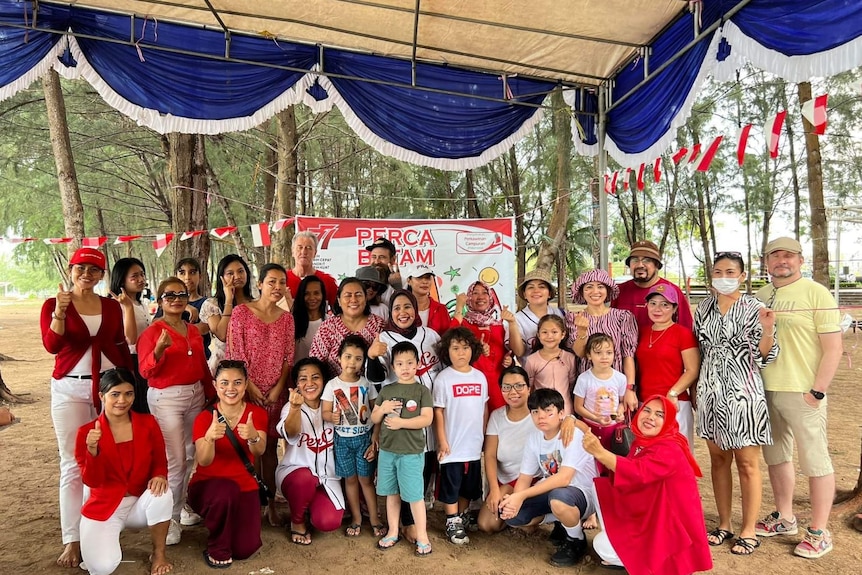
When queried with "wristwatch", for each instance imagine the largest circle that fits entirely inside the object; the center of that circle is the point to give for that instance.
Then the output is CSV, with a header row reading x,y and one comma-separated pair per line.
x,y
673,393
255,440
818,395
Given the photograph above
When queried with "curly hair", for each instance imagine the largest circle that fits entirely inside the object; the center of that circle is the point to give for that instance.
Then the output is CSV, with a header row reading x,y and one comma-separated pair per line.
x,y
461,335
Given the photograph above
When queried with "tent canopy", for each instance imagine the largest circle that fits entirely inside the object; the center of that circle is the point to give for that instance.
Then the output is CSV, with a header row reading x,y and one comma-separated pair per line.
x,y
450,84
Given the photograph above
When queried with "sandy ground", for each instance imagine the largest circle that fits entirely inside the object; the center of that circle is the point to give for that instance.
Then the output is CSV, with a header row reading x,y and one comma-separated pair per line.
x,y
30,534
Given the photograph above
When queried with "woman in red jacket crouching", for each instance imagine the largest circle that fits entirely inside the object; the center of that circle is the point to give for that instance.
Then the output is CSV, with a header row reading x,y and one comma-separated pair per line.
x,y
122,460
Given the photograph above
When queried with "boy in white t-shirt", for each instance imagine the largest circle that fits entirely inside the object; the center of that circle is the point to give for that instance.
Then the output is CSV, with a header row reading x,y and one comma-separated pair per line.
x,y
564,491
460,396
346,403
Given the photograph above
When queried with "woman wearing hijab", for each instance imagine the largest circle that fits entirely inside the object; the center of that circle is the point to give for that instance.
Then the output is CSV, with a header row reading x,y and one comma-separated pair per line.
x,y
494,327
655,486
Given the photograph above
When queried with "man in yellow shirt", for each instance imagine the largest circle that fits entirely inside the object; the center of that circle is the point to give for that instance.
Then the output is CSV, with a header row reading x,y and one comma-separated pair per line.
x,y
796,383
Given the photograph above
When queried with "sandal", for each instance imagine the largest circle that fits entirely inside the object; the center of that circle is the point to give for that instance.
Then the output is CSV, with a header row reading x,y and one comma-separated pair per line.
x,y
387,543
215,563
380,530
355,530
746,544
300,537
422,549
719,535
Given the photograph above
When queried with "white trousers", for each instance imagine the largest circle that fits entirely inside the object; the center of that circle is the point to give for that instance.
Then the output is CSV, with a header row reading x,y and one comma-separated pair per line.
x,y
71,407
175,408
601,544
685,419
100,540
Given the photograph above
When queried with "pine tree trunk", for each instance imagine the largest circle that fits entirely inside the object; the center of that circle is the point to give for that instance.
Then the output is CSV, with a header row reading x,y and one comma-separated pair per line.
x,y
472,204
6,394
67,177
285,189
187,169
819,224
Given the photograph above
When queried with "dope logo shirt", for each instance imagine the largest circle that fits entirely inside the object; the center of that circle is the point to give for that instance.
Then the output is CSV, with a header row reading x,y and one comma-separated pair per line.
x,y
463,397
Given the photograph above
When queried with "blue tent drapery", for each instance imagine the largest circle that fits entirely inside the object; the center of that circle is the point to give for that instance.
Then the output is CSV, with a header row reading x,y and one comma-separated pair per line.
x,y
151,76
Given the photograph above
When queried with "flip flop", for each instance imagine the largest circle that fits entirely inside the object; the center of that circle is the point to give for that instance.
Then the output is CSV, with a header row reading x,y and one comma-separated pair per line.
x,y
422,549
304,534
215,564
748,545
388,543
354,530
379,530
721,534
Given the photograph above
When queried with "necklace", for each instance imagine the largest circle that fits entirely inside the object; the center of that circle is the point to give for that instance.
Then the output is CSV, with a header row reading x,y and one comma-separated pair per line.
x,y
186,337
234,418
651,342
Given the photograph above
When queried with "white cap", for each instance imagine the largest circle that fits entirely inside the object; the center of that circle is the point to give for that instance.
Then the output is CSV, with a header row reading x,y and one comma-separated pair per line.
x,y
419,270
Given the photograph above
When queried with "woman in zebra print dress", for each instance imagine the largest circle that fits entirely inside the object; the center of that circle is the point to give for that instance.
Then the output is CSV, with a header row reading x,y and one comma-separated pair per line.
x,y
736,334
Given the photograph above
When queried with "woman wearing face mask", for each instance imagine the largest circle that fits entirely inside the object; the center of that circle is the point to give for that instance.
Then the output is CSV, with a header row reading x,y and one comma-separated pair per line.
x,y
737,339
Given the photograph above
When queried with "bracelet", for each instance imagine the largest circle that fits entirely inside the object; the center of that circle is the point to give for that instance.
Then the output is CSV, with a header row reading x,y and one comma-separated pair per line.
x,y
255,440
57,317
208,439
630,387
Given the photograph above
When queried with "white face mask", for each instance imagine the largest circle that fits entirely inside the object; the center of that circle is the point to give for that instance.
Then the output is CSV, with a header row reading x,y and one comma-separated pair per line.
x,y
726,286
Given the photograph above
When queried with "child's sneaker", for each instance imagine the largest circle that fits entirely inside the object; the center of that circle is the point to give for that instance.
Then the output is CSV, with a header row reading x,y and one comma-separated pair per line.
x,y
470,520
815,544
773,524
569,553
455,531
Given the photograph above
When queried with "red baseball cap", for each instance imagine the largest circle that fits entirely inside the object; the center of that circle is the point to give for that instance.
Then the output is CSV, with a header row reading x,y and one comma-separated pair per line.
x,y
89,256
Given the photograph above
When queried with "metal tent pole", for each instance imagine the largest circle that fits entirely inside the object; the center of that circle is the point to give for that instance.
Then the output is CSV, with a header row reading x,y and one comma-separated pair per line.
x,y
603,197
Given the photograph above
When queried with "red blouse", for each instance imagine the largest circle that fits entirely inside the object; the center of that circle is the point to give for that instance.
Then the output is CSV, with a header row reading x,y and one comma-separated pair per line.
x,y
176,366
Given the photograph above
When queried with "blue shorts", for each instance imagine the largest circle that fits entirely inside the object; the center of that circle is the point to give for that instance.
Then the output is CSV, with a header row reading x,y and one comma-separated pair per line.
x,y
401,474
462,479
540,505
350,456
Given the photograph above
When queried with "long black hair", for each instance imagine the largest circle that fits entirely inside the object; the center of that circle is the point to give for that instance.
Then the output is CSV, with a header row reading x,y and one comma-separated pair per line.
x,y
300,312
120,271
222,265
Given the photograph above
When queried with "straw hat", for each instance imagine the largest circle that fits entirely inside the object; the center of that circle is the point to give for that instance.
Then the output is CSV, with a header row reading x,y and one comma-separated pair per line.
x,y
537,274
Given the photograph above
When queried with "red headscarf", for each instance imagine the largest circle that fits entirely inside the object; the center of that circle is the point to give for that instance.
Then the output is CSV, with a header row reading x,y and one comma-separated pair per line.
x,y
669,432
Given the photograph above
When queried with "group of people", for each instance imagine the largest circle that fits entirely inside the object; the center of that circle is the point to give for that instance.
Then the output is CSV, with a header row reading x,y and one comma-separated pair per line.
x,y
377,391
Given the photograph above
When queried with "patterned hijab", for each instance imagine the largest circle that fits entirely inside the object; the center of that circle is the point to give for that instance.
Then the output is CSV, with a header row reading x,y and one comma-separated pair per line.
x,y
668,433
490,316
407,332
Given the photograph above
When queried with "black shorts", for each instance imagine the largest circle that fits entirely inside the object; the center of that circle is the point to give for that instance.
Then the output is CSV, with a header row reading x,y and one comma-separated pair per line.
x,y
461,479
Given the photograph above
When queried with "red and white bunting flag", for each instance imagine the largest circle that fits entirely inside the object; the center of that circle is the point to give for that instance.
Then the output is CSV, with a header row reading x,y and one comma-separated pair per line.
x,y
677,157
607,178
695,153
279,225
773,133
189,235
50,241
95,242
627,180
641,177
222,233
614,183
21,240
815,112
161,243
124,239
743,142
709,155
260,235
656,170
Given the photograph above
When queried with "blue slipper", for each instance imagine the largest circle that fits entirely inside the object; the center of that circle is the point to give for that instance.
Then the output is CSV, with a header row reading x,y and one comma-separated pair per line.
x,y
387,543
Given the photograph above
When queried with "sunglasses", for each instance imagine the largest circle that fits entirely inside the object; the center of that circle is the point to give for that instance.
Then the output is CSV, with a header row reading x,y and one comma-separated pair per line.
x,y
731,255
175,295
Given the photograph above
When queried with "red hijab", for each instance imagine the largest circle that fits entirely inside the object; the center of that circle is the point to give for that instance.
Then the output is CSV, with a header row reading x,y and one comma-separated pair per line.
x,y
669,432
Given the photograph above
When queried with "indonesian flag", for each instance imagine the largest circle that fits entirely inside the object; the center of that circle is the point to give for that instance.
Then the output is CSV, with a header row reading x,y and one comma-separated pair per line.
x,y
260,235
94,242
773,133
50,241
280,224
627,180
743,142
641,177
607,178
677,157
222,233
695,152
161,243
614,183
709,155
22,240
656,170
815,112
125,239
189,235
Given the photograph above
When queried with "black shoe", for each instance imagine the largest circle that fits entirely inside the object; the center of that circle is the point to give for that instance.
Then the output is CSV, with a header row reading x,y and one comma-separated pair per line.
x,y
569,553
558,535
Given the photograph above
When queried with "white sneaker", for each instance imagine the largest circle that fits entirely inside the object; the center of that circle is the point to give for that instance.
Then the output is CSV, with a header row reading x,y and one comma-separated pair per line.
x,y
174,533
188,517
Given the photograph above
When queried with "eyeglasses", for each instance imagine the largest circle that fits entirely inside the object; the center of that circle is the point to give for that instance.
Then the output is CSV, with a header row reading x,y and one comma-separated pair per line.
x,y
731,255
506,387
175,295
637,260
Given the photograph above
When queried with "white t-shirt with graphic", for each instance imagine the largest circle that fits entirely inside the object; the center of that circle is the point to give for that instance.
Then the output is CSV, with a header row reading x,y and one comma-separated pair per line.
x,y
511,439
355,400
463,396
543,458
601,396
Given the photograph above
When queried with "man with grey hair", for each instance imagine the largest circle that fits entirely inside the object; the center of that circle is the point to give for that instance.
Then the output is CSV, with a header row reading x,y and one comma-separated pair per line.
x,y
303,249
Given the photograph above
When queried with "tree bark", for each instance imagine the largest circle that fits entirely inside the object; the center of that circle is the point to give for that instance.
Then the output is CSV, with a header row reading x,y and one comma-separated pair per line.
x,y
187,169
472,204
819,224
67,177
6,394
285,189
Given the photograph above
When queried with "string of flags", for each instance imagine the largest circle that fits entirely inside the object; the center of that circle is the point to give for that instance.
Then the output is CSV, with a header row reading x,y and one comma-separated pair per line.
x,y
813,110
260,235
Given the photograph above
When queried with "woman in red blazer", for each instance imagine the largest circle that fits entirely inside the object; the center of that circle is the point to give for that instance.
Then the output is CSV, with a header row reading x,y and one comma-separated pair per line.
x,y
85,334
122,459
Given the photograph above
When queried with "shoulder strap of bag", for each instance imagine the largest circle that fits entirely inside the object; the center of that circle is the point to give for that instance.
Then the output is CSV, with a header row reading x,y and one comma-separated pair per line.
x,y
233,440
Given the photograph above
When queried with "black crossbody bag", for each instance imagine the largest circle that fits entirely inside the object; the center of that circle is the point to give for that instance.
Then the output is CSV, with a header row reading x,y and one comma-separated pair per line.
x,y
262,489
